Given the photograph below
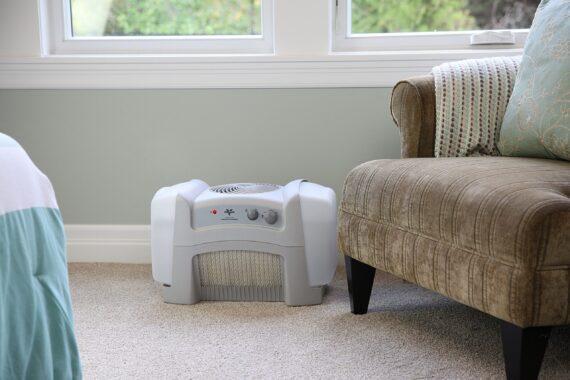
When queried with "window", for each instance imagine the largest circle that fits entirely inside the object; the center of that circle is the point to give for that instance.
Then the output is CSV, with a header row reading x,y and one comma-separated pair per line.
x,y
164,26
247,26
431,24
252,43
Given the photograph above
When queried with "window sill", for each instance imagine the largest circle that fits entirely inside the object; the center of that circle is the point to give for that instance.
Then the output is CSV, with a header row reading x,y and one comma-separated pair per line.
x,y
359,69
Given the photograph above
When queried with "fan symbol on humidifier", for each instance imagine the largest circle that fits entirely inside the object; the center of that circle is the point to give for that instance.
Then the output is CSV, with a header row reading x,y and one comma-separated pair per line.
x,y
229,211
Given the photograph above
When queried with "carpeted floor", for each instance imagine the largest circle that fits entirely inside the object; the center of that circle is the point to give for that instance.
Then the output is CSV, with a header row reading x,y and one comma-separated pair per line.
x,y
124,330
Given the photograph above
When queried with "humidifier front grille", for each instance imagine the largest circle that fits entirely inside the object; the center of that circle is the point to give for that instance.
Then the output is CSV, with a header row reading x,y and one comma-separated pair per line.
x,y
240,276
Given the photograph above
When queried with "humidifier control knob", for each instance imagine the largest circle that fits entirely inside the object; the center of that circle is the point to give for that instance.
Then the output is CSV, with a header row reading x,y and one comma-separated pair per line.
x,y
270,216
252,213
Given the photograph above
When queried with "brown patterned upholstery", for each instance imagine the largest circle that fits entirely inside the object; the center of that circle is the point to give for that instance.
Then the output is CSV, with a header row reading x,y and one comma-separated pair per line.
x,y
492,232
413,110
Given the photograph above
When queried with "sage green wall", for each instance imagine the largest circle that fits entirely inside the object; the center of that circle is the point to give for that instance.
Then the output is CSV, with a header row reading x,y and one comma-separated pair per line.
x,y
107,152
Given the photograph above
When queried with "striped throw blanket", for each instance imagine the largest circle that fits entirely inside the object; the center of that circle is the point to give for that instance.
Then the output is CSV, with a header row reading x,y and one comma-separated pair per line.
x,y
471,100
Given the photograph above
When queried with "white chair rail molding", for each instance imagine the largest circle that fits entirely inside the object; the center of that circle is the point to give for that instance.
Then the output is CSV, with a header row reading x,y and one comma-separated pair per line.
x,y
287,43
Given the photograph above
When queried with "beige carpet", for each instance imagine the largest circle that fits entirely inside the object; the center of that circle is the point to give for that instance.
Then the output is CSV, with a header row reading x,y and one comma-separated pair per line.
x,y
124,330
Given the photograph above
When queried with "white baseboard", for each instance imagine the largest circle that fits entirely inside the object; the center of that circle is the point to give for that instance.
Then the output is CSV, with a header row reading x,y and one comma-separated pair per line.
x,y
89,243
127,244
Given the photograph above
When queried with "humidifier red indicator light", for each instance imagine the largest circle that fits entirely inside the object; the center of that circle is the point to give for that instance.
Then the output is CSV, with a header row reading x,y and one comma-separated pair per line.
x,y
214,211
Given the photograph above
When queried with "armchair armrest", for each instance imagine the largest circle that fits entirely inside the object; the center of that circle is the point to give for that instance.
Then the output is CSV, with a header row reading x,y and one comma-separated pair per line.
x,y
413,110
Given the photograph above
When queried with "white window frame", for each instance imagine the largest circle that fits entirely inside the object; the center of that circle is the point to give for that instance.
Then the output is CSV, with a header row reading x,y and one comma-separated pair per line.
x,y
345,41
301,48
62,42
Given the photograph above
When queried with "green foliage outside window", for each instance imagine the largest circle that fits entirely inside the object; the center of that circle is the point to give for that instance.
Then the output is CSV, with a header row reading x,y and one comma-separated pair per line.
x,y
166,17
381,16
391,16
243,17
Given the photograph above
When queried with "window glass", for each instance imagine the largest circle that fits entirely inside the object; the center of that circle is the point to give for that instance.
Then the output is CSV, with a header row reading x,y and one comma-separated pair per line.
x,y
96,18
396,16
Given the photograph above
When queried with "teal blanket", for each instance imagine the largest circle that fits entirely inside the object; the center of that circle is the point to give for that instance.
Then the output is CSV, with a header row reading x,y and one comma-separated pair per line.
x,y
36,324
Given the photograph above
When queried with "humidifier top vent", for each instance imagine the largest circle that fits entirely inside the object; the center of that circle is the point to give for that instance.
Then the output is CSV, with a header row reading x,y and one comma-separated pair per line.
x,y
244,188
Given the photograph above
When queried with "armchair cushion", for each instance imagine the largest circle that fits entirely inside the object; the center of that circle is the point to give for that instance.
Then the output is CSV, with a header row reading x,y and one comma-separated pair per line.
x,y
490,232
537,120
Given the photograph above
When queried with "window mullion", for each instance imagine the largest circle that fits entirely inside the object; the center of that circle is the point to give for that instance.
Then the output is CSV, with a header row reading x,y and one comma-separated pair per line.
x,y
348,17
302,27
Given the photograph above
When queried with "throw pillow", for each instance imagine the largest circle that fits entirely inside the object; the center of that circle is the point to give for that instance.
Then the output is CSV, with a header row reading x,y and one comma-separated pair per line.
x,y
537,119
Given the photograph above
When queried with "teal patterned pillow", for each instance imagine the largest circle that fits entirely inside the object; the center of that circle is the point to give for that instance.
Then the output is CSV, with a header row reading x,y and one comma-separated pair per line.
x,y
537,120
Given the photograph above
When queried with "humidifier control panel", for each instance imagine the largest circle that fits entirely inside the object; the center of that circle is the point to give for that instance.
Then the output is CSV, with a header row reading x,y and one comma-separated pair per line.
x,y
238,214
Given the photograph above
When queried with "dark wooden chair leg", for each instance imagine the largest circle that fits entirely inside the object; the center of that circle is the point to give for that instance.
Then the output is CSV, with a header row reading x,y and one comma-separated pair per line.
x,y
360,277
523,349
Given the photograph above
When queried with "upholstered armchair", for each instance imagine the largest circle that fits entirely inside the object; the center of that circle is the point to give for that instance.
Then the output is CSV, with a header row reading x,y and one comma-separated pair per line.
x,y
489,232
